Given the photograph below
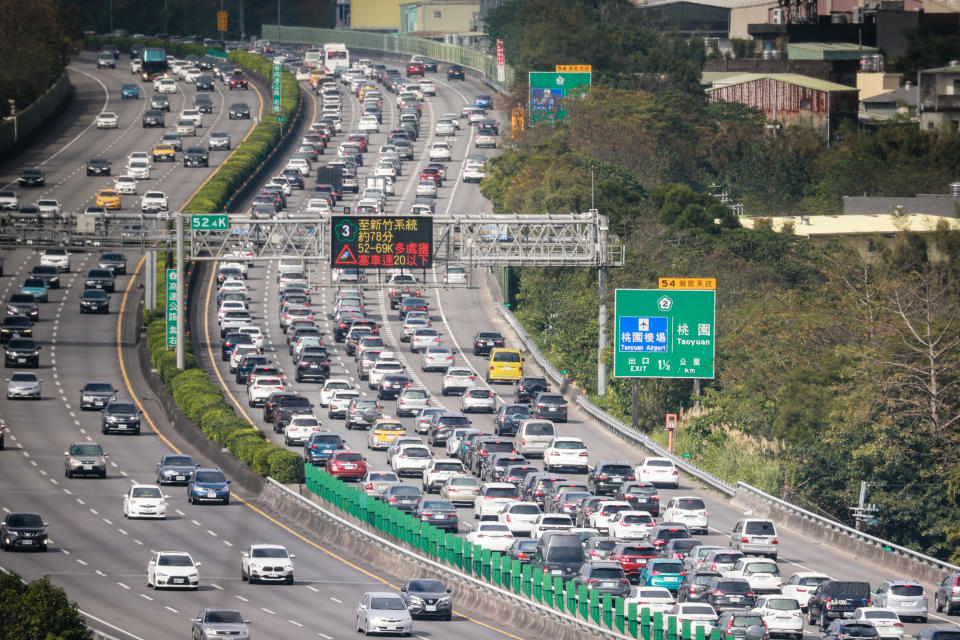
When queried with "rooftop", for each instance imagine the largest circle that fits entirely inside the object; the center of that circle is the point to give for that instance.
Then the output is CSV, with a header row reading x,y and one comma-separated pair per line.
x,y
828,51
856,224
789,78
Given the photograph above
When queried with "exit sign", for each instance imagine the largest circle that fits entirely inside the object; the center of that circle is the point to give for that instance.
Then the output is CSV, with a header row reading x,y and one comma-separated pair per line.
x,y
210,222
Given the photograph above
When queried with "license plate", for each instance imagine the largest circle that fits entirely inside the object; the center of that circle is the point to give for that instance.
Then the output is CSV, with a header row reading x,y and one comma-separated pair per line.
x,y
557,572
179,581
439,516
87,467
211,494
99,403
349,466
735,598
27,541
431,607
181,478
609,585
616,479
21,359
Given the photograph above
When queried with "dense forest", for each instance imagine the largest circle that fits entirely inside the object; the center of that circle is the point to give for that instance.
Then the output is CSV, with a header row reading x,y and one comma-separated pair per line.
x,y
32,56
837,361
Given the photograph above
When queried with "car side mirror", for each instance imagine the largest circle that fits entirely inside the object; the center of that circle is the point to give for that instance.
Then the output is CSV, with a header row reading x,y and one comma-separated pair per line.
x,y
229,481
245,554
197,564
166,497
292,556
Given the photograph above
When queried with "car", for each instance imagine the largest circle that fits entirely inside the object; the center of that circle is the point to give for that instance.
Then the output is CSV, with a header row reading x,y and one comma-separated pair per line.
x,y
383,612
173,570
238,80
486,136
423,338
937,632
23,530
153,202
483,101
31,178
38,287
846,629
98,167
426,189
568,452
631,525
445,127
730,593
782,616
436,358
455,72
438,513
762,575
375,483
755,536
107,120
658,471
802,584
126,185
735,624
22,352
440,152
478,399
663,572
106,59
690,510
99,279
9,201
411,459
491,535
154,118
219,141
96,395
550,522
23,385
23,304
485,341
460,489
520,517
947,596
139,169
402,496
457,380
94,301
196,157
266,563
680,548
15,326
320,446
144,501
165,85
886,621
656,599
493,498
175,468
217,622
474,172
346,465
437,471
239,111
208,485
549,406
85,458
164,153
160,102
427,598
905,597
694,587
130,91
415,69
49,208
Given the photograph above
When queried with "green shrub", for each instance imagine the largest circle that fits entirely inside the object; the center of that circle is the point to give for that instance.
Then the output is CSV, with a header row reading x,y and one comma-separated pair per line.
x,y
286,466
260,462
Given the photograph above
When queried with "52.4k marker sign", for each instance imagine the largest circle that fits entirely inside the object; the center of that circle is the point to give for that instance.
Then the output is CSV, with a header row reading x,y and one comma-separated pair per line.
x,y
664,333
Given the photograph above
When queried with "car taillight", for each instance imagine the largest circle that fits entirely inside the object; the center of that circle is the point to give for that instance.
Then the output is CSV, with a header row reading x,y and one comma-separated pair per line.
x,y
775,540
675,472
583,454
744,539
393,499
554,453
522,556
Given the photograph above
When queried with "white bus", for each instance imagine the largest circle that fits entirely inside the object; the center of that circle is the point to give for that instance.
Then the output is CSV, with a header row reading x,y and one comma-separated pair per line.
x,y
335,55
314,58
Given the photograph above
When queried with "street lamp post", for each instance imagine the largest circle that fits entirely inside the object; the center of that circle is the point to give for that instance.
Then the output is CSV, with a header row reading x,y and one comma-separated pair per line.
x,y
111,17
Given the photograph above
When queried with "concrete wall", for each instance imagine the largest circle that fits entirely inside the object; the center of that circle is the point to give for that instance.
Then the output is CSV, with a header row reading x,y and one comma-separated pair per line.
x,y
375,14
872,84
740,17
446,17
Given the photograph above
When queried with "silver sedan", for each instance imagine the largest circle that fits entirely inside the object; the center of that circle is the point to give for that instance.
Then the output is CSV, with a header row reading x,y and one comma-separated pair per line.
x,y
479,399
383,612
436,359
23,384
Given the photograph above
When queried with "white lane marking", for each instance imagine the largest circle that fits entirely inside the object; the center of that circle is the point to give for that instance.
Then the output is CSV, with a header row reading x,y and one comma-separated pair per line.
x,y
265,610
145,596
335,600
171,610
239,597
100,573
81,562
123,585
313,588
216,586
294,622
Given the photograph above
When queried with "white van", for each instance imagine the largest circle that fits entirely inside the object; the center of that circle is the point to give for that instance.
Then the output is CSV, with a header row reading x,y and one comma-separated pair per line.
x,y
534,436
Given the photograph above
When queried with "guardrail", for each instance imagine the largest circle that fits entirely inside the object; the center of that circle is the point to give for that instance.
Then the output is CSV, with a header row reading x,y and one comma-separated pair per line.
x,y
598,615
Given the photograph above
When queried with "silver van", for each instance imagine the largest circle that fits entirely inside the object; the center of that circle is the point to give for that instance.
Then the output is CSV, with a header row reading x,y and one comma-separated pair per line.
x,y
534,436
755,536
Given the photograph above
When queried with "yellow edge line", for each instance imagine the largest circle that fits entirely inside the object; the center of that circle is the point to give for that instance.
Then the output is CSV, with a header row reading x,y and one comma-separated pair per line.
x,y
257,510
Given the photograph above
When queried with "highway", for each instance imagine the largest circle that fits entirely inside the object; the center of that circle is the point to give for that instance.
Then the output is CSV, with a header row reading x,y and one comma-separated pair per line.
x,y
99,557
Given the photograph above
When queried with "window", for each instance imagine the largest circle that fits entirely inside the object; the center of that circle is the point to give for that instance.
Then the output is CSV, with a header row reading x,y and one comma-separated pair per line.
x,y
438,14
805,105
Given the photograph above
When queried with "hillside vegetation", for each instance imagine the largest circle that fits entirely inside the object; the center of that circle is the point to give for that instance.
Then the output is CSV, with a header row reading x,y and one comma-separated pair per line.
x,y
837,361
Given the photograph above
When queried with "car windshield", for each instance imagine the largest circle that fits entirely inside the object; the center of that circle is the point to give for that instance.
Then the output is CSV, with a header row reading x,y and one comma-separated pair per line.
x,y
23,377
178,461
438,505
146,492
269,552
463,482
653,593
209,476
175,561
326,439
767,567
501,492
658,463
669,567
748,620
539,428
912,590
735,587
387,604
86,450
223,617
24,520
556,520
877,614
122,407
404,490
349,457
525,509
426,586
565,554
95,293
638,519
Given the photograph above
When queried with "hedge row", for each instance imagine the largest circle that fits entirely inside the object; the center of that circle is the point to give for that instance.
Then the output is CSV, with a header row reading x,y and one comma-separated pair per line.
x,y
124,44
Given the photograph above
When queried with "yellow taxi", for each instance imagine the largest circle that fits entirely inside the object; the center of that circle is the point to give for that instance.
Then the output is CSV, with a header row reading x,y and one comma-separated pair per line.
x,y
109,199
384,432
364,89
317,77
164,153
504,365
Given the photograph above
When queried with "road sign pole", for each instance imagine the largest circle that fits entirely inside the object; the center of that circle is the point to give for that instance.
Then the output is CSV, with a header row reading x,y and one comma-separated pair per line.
x,y
602,333
180,352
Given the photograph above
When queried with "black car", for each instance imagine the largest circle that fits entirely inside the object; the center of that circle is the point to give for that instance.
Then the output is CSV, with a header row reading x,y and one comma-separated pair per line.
x,y
196,157
23,531
294,177
508,417
99,279
484,341
730,593
94,301
313,368
204,83
430,66
116,262
22,352
154,118
439,513
938,632
23,304
239,111
160,102
31,178
247,364
836,599
288,406
694,586
98,167
664,532
528,388
203,104
608,476
848,629
514,474
96,395
230,341
48,273
550,406
175,468
15,327
122,417
455,72
402,496
642,496
427,598
391,385
604,577
522,550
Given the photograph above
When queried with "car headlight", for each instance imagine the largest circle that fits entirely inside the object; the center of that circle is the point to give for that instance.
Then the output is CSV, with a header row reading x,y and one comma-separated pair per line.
x,y
113,419
162,576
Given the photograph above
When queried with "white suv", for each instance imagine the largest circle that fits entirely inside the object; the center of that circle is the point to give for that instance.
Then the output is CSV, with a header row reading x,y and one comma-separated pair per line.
x,y
58,258
153,201
689,510
493,498
660,472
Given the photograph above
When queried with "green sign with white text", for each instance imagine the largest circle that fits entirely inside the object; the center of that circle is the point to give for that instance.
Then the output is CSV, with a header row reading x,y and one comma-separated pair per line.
x,y
550,93
664,333
172,285
209,221
277,71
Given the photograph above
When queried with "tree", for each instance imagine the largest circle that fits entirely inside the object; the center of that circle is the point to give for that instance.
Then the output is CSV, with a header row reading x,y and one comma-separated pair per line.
x,y
39,609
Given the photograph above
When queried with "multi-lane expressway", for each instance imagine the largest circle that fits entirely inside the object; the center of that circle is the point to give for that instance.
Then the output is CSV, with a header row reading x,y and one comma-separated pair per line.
x,y
99,557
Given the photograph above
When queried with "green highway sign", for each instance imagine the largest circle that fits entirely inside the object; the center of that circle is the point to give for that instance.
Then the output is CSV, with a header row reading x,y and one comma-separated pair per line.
x,y
277,71
216,53
210,221
281,119
549,92
172,286
664,333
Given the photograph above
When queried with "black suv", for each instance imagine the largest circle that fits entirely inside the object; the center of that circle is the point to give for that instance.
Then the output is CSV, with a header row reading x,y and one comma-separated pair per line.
x,y
736,623
643,496
528,388
23,531
290,406
247,364
15,327
315,368
550,406
22,352
694,586
836,599
484,341
730,593
122,417
848,629
608,476
196,157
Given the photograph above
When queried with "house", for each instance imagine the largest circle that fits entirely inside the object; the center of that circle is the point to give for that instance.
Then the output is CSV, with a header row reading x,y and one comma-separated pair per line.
x,y
940,97
790,99
430,18
890,104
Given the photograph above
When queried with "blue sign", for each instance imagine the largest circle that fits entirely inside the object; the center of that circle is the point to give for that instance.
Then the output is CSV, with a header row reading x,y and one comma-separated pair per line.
x,y
638,334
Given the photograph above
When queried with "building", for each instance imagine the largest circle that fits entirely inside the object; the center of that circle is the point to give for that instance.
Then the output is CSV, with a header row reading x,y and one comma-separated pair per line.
x,y
690,19
940,97
375,15
790,99
427,18
880,108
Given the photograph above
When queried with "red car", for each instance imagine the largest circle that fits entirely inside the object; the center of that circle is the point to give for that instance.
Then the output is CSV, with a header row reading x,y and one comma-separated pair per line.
x,y
432,173
414,69
347,465
633,557
238,81
360,140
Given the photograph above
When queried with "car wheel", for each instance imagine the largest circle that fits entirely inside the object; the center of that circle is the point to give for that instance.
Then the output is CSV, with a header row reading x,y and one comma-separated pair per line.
x,y
938,605
823,622
923,620
68,473
103,474
226,501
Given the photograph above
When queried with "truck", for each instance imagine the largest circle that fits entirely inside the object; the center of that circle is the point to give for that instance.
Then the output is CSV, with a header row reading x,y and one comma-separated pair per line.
x,y
332,176
154,63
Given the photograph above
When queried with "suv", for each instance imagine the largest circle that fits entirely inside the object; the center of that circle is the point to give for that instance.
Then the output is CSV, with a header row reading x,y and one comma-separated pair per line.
x,y
755,536
947,597
607,477
836,599
363,412
528,388
735,623
903,597
23,531
730,593
287,407
83,458
122,417
604,577
642,495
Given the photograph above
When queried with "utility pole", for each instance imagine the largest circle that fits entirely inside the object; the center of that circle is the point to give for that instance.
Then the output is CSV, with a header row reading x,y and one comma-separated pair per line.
x,y
602,331
864,513
243,25
180,284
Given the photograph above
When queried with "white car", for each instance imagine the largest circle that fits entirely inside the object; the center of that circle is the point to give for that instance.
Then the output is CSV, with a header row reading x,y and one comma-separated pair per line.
x,y
125,185
700,615
233,286
318,206
230,305
387,169
474,172
173,570
381,369
153,201
763,575
300,428
493,498
802,584
266,563
165,85
58,258
428,88
436,359
369,124
138,155
567,452
438,470
411,459
412,401
600,518
653,598
491,535
260,388
255,332
144,501
339,401
479,399
185,128
139,169
688,510
107,120
660,472
440,152
445,128
784,618
426,189
550,522
330,386
520,517
886,621
631,525
238,352
423,338
300,164
457,380
283,183
192,115
48,208
410,325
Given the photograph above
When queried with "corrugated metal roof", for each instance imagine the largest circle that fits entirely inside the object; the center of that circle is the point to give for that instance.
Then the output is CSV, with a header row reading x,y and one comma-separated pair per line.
x,y
907,95
789,78
828,51
948,69
856,224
